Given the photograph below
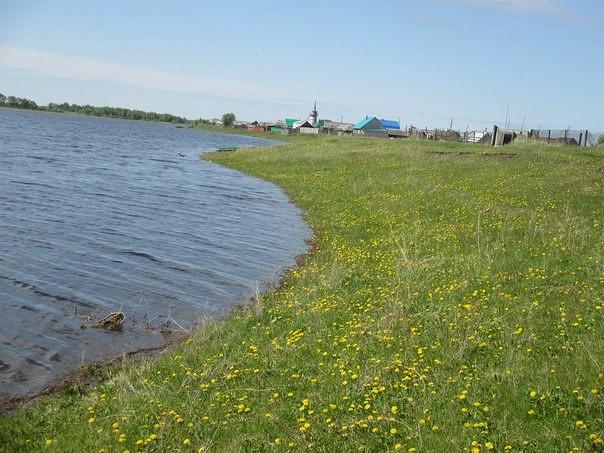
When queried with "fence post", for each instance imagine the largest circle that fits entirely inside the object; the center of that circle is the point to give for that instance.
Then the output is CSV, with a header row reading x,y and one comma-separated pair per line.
x,y
549,136
580,138
494,137
586,134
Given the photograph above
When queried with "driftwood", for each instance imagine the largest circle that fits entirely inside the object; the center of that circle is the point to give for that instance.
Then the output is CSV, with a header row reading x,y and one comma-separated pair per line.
x,y
113,321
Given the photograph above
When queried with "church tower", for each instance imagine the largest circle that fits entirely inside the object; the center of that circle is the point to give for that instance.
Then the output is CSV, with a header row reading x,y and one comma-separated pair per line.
x,y
313,118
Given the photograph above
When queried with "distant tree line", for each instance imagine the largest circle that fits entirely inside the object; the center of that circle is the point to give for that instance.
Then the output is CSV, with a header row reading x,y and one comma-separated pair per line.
x,y
110,112
18,103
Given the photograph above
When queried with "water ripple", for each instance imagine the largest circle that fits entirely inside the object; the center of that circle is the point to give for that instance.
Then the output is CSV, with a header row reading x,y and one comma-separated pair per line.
x,y
98,215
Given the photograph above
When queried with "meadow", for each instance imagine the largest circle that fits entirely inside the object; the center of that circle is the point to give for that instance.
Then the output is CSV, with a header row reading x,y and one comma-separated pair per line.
x,y
453,300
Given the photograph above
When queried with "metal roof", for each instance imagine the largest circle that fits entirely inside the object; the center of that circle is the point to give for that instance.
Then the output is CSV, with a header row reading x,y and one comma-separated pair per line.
x,y
361,124
289,122
390,124
372,122
337,125
301,123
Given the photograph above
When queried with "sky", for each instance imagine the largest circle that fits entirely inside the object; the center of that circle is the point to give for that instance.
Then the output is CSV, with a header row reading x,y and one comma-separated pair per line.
x,y
476,62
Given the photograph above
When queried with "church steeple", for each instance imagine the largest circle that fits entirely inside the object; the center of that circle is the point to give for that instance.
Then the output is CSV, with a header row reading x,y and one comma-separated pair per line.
x,y
313,118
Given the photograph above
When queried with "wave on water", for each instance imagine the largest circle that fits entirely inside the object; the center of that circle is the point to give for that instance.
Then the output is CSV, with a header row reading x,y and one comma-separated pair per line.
x,y
92,224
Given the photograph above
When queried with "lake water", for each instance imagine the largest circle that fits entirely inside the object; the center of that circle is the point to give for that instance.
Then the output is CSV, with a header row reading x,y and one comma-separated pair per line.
x,y
100,215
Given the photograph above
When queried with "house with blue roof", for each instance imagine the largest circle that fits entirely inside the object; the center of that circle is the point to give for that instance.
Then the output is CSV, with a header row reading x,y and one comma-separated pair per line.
x,y
370,127
390,124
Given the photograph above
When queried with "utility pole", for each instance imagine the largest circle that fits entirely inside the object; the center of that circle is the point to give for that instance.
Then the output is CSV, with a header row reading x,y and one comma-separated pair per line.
x,y
507,116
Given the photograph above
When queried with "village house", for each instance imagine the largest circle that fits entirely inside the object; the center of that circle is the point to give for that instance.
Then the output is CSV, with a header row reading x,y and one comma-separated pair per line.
x,y
305,127
241,124
390,124
289,122
336,128
393,127
370,127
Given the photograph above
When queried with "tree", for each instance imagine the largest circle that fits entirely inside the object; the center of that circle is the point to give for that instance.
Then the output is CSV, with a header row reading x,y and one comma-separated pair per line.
x,y
2,99
228,119
601,140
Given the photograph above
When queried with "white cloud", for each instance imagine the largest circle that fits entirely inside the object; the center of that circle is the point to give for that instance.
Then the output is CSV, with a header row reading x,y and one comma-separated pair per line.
x,y
58,65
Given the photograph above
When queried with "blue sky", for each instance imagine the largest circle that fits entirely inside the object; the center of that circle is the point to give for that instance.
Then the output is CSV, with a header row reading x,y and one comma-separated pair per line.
x,y
424,62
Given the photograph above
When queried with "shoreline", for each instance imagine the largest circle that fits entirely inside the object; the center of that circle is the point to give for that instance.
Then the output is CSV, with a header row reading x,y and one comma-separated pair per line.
x,y
88,375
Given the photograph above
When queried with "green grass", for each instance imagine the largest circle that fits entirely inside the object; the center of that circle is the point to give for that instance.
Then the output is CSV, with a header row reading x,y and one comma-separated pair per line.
x,y
454,301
